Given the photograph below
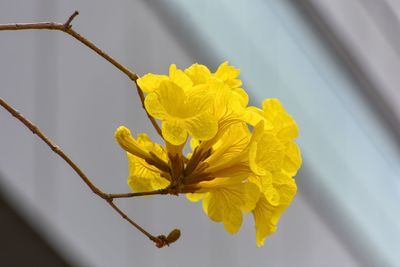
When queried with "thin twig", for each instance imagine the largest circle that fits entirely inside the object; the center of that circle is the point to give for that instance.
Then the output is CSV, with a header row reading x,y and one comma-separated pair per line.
x,y
137,226
139,194
67,28
159,240
151,118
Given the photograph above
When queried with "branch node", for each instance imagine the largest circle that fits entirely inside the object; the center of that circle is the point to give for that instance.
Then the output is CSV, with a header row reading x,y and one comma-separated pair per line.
x,y
55,148
161,241
67,24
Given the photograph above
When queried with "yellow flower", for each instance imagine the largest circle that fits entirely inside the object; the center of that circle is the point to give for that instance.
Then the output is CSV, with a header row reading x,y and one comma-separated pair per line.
x,y
280,124
145,159
143,176
243,159
182,112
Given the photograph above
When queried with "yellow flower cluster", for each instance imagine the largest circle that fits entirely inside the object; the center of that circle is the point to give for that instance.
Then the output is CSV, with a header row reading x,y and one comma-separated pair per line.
x,y
242,158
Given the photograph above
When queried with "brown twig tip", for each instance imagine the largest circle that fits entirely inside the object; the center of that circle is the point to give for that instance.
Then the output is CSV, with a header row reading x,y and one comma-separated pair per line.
x,y
162,240
67,24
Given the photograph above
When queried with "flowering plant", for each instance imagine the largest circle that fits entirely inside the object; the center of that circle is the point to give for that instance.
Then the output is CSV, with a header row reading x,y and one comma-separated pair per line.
x,y
242,158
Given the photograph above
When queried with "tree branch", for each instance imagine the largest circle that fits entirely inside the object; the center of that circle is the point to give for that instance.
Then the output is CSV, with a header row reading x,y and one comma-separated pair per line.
x,y
139,194
160,241
67,28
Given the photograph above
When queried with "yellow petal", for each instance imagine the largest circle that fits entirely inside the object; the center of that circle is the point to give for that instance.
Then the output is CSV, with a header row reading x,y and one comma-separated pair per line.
x,y
228,74
182,112
285,186
268,190
273,106
285,127
202,127
225,202
292,161
194,197
288,129
213,206
226,101
251,196
173,131
264,220
150,82
254,116
267,213
167,100
129,144
244,98
145,141
198,73
266,153
144,177
178,77
233,220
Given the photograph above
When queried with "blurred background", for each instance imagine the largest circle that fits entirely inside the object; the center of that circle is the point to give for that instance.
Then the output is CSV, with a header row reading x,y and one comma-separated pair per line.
x,y
333,64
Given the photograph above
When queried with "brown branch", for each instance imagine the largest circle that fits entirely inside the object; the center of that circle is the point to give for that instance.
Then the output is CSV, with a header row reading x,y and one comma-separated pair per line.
x,y
151,118
159,240
139,194
67,28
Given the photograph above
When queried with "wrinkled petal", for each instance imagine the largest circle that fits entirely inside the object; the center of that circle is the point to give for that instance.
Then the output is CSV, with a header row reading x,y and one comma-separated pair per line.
x,y
228,74
285,186
265,218
269,208
266,154
292,160
285,127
